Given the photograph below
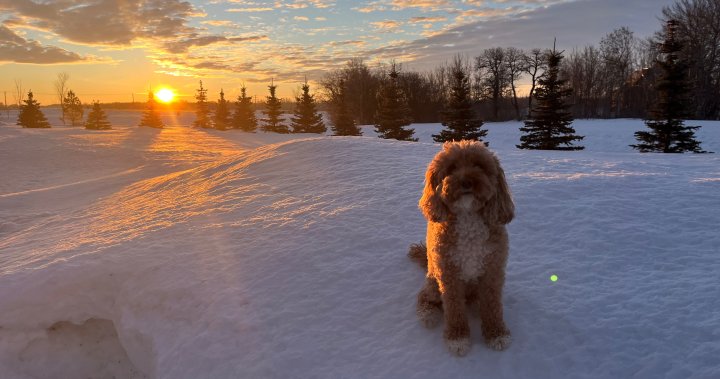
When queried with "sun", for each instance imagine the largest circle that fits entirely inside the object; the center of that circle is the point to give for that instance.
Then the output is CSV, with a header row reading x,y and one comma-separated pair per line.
x,y
165,95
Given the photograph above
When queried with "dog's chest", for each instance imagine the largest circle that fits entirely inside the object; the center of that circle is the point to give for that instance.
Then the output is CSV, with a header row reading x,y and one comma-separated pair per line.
x,y
471,245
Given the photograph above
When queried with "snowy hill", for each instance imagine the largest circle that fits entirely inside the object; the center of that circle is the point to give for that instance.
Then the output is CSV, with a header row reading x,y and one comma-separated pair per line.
x,y
183,253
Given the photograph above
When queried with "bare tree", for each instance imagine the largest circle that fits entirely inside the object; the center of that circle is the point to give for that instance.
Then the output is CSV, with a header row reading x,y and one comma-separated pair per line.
x,y
360,84
494,82
18,93
535,64
699,32
616,51
584,71
60,84
516,61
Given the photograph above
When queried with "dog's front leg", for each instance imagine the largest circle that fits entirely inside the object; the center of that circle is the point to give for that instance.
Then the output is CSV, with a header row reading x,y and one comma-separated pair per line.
x,y
457,330
496,334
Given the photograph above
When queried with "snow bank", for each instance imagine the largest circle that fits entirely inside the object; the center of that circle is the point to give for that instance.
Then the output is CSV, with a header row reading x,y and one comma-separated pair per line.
x,y
288,260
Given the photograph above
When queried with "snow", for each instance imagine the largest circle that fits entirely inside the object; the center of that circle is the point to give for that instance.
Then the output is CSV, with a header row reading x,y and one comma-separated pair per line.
x,y
185,253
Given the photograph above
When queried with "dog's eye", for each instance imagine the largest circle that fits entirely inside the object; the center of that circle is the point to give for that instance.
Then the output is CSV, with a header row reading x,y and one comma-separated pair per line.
x,y
451,168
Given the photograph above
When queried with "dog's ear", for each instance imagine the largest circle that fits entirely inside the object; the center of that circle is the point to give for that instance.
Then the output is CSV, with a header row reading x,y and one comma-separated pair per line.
x,y
430,203
500,209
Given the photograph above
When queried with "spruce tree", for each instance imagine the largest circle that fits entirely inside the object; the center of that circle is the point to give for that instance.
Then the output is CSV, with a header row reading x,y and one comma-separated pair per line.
x,y
222,113
273,111
202,111
343,123
306,118
548,126
96,119
244,116
30,114
668,134
73,109
150,117
393,111
459,118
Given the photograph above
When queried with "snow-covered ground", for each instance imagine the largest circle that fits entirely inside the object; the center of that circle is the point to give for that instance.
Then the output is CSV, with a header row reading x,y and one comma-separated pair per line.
x,y
185,253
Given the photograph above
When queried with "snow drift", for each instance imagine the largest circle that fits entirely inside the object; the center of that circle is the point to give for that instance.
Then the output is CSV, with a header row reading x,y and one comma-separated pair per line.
x,y
288,260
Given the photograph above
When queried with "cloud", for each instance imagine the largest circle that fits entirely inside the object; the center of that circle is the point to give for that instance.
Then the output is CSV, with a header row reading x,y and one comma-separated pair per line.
x,y
301,4
218,22
14,48
300,18
396,5
386,25
111,22
427,19
533,28
182,46
250,10
346,43
424,4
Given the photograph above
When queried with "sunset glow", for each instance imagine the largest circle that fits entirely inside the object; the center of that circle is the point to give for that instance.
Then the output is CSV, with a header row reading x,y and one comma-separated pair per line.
x,y
165,95
116,50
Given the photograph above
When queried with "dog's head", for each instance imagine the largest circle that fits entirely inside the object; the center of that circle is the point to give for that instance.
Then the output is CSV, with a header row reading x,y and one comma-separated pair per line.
x,y
466,177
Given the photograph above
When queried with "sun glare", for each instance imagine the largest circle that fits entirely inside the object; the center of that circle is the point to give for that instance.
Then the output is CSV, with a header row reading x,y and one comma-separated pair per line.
x,y
165,95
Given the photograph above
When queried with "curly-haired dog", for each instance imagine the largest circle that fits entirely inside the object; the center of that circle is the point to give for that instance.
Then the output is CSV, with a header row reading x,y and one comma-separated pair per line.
x,y
467,203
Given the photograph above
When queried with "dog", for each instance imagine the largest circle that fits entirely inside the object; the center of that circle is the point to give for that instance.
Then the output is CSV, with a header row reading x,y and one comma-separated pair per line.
x,y
467,203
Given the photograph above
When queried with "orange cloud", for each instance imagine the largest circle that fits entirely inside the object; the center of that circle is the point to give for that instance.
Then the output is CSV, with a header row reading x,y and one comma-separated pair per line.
x,y
386,25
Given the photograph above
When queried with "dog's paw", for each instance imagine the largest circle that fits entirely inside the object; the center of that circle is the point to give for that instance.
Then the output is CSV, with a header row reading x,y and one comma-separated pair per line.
x,y
500,343
459,347
429,317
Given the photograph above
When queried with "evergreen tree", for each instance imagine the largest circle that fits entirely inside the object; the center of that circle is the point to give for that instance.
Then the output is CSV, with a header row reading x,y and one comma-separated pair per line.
x,y
222,113
150,117
459,118
668,134
73,109
30,114
548,125
343,123
202,111
244,116
273,111
393,110
306,118
96,119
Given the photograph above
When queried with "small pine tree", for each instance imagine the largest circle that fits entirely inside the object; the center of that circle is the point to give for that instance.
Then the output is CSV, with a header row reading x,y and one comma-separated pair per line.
x,y
73,108
202,111
306,118
548,125
244,116
96,119
393,111
273,111
150,118
668,134
30,114
222,113
459,118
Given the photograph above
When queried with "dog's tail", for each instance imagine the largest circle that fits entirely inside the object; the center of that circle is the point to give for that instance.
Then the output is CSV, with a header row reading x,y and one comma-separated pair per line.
x,y
418,253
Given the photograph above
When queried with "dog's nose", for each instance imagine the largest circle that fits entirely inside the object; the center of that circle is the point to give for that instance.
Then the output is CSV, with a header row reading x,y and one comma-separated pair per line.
x,y
466,183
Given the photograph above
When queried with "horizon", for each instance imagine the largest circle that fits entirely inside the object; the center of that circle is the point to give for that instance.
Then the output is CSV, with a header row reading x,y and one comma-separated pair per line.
x,y
116,54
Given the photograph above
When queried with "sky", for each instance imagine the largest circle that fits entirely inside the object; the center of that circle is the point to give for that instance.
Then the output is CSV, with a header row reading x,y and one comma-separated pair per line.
x,y
116,50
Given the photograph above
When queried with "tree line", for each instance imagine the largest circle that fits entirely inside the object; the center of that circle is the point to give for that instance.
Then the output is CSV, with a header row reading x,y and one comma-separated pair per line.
x,y
657,79
615,79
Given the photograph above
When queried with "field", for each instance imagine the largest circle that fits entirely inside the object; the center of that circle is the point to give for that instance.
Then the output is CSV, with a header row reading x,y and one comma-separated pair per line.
x,y
186,253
